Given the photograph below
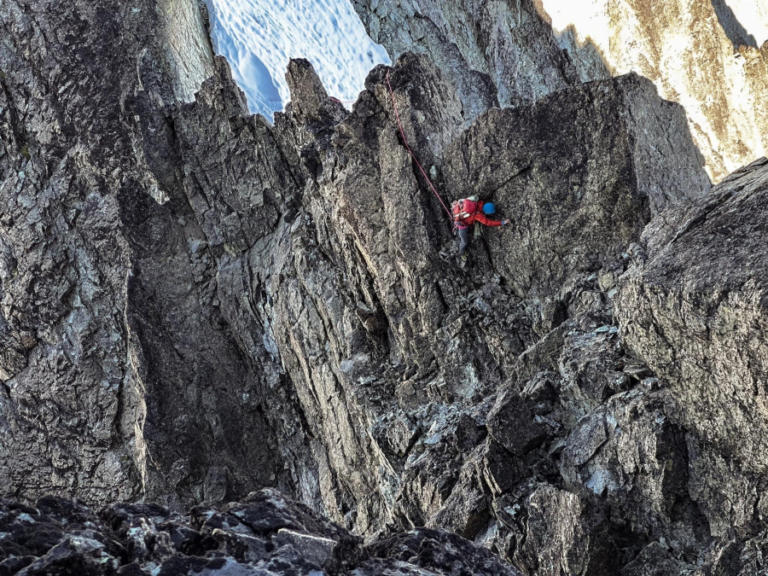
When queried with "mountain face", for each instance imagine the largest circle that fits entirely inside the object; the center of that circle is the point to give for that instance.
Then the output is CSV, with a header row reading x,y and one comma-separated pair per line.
x,y
696,53
196,304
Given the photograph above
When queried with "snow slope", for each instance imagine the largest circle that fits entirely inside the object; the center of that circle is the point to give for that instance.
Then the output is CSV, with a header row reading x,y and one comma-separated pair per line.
x,y
258,37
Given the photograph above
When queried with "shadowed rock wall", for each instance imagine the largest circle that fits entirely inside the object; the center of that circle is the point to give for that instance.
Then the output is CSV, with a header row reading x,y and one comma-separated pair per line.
x,y
120,374
196,304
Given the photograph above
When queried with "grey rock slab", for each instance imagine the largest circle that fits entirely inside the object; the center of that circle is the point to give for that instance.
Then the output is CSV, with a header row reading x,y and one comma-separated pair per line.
x,y
195,304
694,312
577,162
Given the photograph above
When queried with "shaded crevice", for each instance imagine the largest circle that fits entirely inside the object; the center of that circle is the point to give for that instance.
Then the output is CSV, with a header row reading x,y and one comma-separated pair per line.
x,y
19,135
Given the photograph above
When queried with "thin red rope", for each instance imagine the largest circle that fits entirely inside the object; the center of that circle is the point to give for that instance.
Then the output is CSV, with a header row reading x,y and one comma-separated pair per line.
x,y
413,156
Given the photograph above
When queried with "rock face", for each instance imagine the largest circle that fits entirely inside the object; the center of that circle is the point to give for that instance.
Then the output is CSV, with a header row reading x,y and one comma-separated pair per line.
x,y
263,535
596,161
696,53
196,304
508,55
113,341
702,331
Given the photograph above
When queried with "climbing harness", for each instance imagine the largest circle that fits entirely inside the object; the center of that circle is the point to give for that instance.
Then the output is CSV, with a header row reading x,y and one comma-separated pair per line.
x,y
463,209
413,156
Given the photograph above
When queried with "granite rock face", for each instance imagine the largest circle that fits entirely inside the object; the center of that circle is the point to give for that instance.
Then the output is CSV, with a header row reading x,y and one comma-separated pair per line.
x,y
196,304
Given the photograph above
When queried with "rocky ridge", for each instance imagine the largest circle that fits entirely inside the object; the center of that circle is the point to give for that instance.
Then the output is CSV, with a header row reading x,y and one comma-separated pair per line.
x,y
264,535
196,304
696,53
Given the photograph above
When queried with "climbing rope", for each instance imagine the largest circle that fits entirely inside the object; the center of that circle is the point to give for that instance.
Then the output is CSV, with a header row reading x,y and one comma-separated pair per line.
x,y
413,156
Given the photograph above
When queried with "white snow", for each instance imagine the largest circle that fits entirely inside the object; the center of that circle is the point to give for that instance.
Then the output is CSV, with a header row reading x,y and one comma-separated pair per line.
x,y
258,37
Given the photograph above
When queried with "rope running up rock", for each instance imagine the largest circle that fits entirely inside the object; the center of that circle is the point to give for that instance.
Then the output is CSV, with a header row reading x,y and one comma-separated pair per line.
x,y
413,156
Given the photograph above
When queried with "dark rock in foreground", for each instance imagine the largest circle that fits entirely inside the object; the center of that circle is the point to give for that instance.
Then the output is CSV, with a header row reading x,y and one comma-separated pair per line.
x,y
264,535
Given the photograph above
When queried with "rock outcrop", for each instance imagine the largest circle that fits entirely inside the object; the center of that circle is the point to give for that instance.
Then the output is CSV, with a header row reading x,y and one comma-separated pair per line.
x,y
594,161
197,304
702,331
507,56
696,53
113,340
263,535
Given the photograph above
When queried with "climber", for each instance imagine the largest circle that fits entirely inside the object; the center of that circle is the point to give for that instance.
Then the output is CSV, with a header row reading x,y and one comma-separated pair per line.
x,y
466,212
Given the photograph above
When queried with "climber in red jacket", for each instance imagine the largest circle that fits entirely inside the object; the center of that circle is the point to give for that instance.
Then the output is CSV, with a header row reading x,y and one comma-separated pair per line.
x,y
466,212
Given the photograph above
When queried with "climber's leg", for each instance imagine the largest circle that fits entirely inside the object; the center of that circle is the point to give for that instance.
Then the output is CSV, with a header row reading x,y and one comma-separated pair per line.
x,y
463,240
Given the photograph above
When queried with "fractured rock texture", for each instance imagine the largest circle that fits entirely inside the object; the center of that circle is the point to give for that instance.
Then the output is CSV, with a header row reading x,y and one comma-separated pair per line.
x,y
703,331
196,304
113,340
507,55
512,51
263,535
696,53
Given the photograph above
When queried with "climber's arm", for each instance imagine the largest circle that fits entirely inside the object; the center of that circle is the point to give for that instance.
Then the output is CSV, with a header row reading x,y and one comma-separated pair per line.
x,y
485,221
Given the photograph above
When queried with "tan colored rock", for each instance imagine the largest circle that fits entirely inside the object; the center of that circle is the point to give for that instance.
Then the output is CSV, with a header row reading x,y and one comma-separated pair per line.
x,y
697,53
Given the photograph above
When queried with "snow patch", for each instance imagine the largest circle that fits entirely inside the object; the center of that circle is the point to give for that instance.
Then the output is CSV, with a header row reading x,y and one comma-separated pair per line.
x,y
258,37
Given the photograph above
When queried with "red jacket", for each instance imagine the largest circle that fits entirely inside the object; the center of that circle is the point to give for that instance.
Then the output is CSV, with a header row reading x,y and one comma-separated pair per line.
x,y
478,216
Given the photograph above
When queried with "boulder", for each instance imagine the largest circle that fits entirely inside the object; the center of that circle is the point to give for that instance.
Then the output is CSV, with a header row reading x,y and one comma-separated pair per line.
x,y
266,534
